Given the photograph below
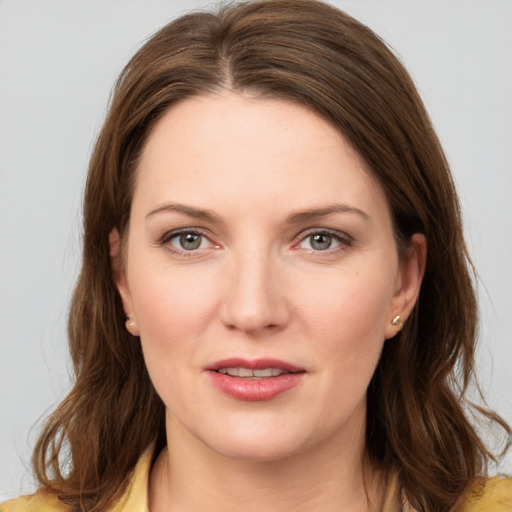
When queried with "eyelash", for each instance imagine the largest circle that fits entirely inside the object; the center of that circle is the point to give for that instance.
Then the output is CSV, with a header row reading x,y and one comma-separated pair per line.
x,y
343,239
167,237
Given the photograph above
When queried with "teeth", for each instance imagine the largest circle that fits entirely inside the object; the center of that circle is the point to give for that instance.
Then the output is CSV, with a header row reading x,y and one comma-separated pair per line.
x,y
247,372
267,372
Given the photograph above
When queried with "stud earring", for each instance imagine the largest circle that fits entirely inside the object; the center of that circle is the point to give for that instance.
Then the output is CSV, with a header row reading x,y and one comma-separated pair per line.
x,y
397,321
131,325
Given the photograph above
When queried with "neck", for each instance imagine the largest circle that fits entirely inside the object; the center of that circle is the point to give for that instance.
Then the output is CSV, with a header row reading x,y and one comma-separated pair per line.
x,y
188,476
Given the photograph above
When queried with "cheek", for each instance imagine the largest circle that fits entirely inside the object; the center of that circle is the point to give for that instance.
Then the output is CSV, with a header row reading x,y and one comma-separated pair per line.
x,y
172,303
352,303
345,316
173,308
353,347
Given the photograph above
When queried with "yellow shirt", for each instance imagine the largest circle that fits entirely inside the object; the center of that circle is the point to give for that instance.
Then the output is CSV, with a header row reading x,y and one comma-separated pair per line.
x,y
496,496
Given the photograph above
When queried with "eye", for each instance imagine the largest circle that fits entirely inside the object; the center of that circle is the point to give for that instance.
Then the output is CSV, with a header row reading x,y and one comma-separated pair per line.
x,y
185,241
320,241
324,241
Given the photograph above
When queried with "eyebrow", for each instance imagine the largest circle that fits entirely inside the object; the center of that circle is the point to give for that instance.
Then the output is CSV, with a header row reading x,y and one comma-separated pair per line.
x,y
300,216
295,217
196,213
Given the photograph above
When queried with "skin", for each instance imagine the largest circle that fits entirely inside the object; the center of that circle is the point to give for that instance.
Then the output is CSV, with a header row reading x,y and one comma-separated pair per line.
x,y
258,286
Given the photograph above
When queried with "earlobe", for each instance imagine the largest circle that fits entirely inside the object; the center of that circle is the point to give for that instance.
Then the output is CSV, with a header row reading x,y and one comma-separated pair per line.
x,y
131,325
412,270
121,282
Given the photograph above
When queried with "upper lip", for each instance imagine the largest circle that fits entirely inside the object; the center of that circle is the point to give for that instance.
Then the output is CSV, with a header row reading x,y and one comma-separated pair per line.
x,y
254,364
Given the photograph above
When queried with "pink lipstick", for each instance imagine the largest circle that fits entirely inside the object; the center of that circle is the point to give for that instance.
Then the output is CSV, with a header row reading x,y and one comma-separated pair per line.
x,y
254,380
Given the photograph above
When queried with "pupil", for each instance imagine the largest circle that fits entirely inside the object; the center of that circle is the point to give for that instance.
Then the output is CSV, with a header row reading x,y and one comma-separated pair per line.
x,y
321,242
190,241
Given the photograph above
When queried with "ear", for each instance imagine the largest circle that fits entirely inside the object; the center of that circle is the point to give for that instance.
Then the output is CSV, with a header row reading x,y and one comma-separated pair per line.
x,y
119,274
410,276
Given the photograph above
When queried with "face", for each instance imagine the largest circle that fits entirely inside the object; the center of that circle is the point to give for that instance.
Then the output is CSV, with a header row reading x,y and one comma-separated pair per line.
x,y
262,275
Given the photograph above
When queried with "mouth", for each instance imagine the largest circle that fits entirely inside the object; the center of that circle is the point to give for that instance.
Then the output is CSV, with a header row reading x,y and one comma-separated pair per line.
x,y
262,368
248,373
254,380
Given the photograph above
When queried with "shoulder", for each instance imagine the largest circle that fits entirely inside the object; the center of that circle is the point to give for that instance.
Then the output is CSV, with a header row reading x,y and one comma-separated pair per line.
x,y
493,494
41,501
134,498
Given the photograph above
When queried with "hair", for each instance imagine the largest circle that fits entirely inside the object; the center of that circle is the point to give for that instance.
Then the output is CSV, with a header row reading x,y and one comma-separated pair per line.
x,y
309,53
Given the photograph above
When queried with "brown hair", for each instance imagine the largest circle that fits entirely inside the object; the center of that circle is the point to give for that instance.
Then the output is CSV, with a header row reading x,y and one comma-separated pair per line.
x,y
310,53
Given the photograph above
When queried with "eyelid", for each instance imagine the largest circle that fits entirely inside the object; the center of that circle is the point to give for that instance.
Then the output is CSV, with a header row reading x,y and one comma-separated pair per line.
x,y
342,237
169,235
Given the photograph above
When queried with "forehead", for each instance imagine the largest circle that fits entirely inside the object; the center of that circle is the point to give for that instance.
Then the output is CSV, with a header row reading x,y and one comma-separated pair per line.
x,y
231,148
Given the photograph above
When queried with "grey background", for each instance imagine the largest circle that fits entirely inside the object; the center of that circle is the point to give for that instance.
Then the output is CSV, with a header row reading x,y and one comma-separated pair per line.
x,y
58,61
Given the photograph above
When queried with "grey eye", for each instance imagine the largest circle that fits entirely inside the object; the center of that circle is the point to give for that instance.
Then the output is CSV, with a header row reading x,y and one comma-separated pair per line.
x,y
188,241
321,241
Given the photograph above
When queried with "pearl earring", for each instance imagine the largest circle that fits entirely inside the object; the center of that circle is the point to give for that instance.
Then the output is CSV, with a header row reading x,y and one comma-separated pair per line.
x,y
397,321
131,325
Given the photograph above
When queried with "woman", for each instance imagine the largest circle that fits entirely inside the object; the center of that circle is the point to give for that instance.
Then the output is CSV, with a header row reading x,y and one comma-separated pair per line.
x,y
275,301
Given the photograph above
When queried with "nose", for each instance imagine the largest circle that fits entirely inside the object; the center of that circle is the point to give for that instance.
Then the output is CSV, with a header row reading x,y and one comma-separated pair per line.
x,y
253,299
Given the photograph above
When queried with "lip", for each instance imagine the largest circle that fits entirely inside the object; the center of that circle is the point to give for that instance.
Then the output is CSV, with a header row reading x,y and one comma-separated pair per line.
x,y
254,364
254,389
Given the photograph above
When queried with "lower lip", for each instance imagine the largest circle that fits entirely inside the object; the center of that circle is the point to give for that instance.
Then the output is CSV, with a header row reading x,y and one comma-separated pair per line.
x,y
255,390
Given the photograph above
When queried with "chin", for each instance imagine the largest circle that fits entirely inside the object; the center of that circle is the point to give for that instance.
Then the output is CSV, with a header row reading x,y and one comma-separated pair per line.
x,y
257,450
250,440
